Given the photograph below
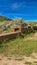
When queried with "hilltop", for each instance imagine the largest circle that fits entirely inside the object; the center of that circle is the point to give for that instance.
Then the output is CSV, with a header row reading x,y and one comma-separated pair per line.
x,y
3,18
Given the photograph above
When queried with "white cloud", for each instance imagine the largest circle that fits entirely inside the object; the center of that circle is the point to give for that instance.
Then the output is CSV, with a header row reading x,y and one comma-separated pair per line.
x,y
18,5
15,5
23,5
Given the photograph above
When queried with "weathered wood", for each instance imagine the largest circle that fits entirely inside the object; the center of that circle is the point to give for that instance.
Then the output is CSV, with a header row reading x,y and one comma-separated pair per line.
x,y
9,35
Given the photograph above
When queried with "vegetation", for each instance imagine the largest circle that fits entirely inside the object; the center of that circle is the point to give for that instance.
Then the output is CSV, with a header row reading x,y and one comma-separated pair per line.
x,y
28,63
3,18
7,24
20,45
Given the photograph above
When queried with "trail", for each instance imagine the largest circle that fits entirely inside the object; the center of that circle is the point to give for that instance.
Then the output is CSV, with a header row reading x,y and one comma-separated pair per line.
x,y
13,60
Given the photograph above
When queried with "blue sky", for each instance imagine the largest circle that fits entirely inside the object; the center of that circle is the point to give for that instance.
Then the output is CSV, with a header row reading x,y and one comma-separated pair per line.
x,y
26,9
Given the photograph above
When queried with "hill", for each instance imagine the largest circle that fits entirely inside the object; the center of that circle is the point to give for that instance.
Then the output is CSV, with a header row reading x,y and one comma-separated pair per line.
x,y
3,18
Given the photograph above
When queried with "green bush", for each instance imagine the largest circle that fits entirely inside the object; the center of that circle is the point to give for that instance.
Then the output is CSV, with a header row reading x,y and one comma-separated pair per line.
x,y
35,28
0,43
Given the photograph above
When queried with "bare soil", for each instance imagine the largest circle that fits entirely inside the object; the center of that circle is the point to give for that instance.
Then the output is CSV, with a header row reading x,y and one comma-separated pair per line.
x,y
17,60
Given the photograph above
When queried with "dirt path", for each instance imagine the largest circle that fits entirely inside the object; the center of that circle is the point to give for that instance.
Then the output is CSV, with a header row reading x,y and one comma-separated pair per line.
x,y
35,34
18,60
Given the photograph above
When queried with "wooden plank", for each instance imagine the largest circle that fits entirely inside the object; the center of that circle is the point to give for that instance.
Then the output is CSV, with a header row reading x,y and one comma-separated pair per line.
x,y
8,35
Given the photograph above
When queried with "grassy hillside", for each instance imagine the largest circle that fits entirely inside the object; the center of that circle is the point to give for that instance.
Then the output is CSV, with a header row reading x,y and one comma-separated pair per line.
x,y
32,23
23,45
20,46
3,18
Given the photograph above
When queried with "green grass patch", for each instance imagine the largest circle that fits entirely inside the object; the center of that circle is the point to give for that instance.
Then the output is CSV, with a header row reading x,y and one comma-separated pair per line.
x,y
19,46
35,61
28,63
19,59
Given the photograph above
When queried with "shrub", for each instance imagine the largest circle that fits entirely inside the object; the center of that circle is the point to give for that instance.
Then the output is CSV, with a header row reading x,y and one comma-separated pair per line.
x,y
1,43
35,28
